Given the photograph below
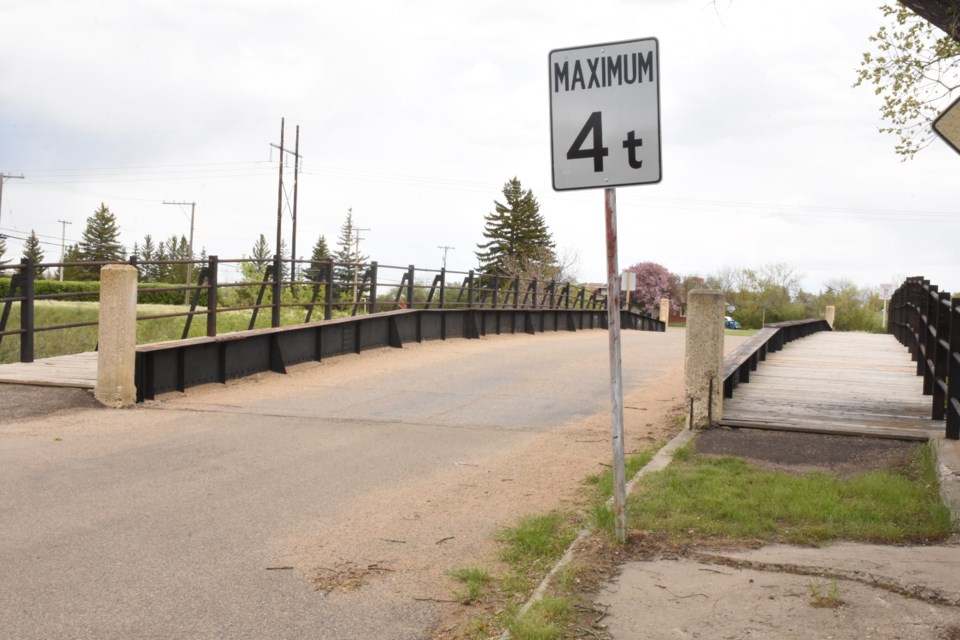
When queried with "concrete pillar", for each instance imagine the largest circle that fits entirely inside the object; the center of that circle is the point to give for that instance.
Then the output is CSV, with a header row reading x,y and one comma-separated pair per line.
x,y
703,364
117,335
664,310
830,315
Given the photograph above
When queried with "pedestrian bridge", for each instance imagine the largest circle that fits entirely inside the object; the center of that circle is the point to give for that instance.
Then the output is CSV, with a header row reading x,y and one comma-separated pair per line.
x,y
796,376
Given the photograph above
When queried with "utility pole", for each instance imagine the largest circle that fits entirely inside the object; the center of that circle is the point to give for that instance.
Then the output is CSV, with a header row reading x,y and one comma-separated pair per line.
x,y
193,210
63,244
445,249
296,173
276,276
356,256
5,176
296,181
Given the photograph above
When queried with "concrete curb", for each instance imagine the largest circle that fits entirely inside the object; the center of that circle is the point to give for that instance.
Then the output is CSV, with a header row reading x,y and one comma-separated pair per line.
x,y
660,460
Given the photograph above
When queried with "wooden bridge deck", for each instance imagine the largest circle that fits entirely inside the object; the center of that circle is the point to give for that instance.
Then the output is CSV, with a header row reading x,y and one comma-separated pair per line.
x,y
841,383
77,370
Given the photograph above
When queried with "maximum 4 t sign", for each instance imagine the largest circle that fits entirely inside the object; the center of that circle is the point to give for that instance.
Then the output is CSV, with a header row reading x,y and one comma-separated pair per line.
x,y
605,115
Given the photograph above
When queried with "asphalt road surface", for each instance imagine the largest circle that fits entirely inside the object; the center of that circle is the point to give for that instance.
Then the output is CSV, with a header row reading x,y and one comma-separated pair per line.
x,y
209,514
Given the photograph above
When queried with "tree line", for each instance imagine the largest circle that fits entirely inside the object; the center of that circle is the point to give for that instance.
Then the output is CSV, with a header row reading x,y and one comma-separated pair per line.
x,y
757,296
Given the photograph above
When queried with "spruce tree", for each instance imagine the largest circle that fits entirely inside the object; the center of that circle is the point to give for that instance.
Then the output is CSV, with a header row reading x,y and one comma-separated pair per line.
x,y
100,243
319,255
347,258
260,253
517,238
146,253
33,252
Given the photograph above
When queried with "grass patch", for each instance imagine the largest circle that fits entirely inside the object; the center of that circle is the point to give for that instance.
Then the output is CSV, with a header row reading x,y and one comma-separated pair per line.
x,y
824,595
602,483
474,580
536,542
545,620
724,497
599,515
740,332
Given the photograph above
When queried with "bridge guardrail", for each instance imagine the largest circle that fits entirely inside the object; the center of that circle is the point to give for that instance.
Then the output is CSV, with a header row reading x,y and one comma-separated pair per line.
x,y
927,322
308,287
771,338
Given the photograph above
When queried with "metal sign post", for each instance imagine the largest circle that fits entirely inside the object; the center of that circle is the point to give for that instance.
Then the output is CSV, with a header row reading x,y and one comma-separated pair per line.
x,y
616,372
605,133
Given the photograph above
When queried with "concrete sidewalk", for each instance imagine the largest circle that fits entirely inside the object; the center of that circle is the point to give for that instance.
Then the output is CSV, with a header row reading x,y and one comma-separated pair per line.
x,y
910,592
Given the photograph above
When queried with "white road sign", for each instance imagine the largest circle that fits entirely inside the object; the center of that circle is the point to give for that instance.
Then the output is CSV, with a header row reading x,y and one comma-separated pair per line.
x,y
605,115
886,291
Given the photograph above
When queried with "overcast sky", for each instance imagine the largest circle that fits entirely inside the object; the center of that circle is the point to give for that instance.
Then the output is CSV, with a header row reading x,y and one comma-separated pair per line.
x,y
415,113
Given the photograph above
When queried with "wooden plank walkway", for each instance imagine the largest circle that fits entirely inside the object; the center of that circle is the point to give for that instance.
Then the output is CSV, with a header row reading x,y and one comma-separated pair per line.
x,y
841,383
77,370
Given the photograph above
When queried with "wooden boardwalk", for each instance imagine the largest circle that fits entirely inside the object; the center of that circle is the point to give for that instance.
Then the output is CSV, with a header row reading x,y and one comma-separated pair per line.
x,y
843,383
77,370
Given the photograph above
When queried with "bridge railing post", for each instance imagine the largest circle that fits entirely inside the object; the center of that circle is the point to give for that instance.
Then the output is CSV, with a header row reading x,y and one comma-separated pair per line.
x,y
373,288
953,385
443,285
470,289
703,366
27,273
941,355
117,336
328,290
928,340
275,289
411,272
212,294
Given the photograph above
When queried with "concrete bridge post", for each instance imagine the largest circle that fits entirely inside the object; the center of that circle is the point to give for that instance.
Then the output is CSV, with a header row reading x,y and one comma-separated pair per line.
x,y
664,310
703,364
117,335
830,315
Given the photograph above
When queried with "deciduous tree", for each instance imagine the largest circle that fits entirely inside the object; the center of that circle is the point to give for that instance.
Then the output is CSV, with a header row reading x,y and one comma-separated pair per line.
x,y
654,282
915,69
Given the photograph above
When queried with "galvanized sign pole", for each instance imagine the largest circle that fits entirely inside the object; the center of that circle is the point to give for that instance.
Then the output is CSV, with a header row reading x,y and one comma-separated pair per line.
x,y
616,372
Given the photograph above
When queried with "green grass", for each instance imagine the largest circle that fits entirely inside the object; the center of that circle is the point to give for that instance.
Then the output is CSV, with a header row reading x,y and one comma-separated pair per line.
x,y
536,542
710,497
545,620
600,516
740,332
474,580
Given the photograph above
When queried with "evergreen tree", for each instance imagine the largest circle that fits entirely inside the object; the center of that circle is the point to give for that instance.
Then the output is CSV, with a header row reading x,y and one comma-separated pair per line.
x,y
33,252
3,248
73,254
147,253
260,253
347,258
101,242
517,238
319,255
176,249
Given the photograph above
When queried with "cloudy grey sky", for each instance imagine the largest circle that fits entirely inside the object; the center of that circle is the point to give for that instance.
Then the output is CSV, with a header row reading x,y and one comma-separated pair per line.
x,y
415,113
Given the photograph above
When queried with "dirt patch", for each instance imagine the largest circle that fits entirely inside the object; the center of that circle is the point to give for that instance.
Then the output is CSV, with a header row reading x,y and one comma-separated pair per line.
x,y
28,402
346,576
792,452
